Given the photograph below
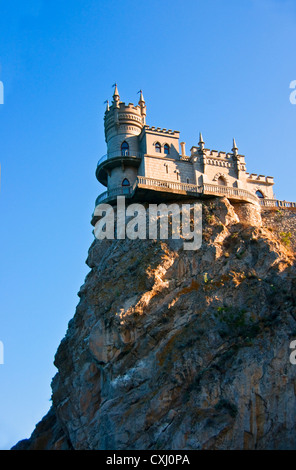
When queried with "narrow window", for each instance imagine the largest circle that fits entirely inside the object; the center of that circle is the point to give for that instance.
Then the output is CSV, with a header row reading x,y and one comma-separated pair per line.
x,y
124,149
157,147
187,180
166,168
125,182
259,194
166,149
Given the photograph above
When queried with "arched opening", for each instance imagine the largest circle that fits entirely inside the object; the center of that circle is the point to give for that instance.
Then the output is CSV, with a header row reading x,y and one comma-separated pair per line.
x,y
259,194
125,182
166,149
125,186
124,149
221,181
157,147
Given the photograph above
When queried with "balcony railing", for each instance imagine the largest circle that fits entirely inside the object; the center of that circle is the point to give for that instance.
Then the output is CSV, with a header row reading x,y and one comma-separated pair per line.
x,y
119,153
114,192
174,185
276,203
209,189
229,192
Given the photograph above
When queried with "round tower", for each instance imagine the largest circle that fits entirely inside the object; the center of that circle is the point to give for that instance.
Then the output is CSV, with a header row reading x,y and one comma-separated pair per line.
x,y
122,124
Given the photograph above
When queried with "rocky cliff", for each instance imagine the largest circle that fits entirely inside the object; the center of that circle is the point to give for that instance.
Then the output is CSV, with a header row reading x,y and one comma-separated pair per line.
x,y
174,349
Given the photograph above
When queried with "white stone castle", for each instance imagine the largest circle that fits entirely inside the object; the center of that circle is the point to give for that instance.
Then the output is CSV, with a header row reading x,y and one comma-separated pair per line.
x,y
149,164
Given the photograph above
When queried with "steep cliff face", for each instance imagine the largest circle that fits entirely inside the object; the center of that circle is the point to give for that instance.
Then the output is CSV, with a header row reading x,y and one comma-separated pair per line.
x,y
174,349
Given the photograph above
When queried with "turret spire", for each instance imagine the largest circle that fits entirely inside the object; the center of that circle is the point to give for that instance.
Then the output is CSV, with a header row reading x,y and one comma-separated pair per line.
x,y
142,106
234,147
107,106
116,97
201,142
141,100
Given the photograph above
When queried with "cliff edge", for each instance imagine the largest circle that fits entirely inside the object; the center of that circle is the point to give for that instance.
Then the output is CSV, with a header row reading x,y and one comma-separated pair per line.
x,y
173,349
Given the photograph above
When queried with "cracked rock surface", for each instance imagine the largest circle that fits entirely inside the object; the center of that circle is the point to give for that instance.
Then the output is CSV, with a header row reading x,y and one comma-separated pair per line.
x,y
174,349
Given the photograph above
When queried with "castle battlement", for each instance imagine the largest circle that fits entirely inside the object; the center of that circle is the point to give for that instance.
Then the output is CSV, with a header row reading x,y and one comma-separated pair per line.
x,y
261,178
162,130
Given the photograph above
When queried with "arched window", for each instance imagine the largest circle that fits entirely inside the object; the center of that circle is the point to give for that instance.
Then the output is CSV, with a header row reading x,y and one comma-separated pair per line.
x,y
125,182
221,181
124,149
166,149
259,194
157,147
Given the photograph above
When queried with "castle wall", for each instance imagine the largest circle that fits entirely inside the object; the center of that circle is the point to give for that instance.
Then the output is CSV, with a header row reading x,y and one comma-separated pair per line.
x,y
118,174
167,169
125,133
151,135
263,186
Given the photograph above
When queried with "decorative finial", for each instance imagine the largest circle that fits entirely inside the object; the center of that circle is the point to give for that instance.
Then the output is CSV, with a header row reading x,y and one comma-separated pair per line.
x,y
234,148
141,100
116,97
201,142
107,107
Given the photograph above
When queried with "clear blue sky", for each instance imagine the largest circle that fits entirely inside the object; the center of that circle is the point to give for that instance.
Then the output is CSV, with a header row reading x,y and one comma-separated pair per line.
x,y
220,67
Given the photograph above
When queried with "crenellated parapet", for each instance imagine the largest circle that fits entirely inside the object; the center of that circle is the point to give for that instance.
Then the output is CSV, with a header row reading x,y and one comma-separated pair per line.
x,y
254,178
162,131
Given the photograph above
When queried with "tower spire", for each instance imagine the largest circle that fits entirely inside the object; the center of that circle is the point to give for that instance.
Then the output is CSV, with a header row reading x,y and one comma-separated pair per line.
x,y
141,100
234,147
107,105
201,142
142,105
116,97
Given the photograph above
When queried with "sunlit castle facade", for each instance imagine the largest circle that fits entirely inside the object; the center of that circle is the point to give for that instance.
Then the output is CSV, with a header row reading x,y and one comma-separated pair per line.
x,y
150,164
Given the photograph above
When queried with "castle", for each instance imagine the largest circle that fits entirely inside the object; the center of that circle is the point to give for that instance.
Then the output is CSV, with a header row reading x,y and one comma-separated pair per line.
x,y
148,163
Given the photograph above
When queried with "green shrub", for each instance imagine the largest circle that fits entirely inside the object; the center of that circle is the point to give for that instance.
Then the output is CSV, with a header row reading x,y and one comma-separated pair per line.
x,y
286,238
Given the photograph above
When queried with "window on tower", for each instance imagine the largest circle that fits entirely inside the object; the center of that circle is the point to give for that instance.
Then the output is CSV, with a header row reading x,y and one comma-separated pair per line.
x,y
259,194
124,149
125,182
157,147
166,149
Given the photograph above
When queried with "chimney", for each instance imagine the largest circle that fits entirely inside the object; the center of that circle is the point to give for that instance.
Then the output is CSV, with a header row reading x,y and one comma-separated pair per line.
x,y
183,152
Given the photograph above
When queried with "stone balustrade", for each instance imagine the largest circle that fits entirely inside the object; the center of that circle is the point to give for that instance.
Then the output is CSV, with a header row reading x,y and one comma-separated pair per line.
x,y
179,187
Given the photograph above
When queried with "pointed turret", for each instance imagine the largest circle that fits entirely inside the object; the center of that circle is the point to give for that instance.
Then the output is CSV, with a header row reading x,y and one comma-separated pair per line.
x,y
201,142
116,97
107,105
142,105
141,100
234,148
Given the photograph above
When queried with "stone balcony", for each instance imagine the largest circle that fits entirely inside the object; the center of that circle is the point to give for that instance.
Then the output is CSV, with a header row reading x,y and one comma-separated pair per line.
x,y
275,203
175,188
113,159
